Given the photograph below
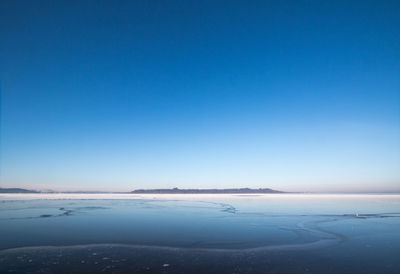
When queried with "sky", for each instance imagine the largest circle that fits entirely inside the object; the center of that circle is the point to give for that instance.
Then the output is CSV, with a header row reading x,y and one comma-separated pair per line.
x,y
121,95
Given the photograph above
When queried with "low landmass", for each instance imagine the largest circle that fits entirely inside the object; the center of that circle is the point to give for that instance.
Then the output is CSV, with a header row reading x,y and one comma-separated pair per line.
x,y
17,190
158,191
206,191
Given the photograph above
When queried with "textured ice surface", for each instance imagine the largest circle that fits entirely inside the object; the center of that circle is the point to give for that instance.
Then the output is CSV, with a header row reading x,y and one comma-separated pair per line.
x,y
250,233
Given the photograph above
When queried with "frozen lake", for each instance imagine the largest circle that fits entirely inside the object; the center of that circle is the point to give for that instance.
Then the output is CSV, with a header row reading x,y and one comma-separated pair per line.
x,y
203,233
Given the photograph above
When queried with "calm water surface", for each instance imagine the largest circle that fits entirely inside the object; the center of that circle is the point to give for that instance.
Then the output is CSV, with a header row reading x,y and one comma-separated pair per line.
x,y
273,233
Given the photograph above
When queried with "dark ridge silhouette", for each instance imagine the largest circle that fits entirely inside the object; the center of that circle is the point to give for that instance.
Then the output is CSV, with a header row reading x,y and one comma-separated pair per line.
x,y
17,190
207,191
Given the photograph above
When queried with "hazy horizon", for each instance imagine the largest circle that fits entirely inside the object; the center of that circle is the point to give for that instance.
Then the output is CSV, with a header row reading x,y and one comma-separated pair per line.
x,y
299,96
111,190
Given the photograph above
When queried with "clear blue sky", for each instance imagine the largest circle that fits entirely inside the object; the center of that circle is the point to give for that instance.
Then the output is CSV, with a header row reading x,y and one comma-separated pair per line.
x,y
119,95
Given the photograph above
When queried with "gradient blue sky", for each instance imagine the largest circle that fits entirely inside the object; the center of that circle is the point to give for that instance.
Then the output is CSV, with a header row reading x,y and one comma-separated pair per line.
x,y
119,95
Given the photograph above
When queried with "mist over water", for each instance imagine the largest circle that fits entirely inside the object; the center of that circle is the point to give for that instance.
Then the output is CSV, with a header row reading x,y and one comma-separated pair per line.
x,y
123,233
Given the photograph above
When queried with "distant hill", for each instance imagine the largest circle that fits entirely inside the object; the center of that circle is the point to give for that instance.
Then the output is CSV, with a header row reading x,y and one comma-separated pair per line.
x,y
16,190
206,191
